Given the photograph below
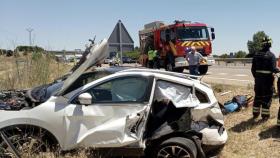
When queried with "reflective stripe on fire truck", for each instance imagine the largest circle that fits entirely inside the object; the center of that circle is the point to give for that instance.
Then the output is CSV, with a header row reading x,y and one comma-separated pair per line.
x,y
200,43
184,43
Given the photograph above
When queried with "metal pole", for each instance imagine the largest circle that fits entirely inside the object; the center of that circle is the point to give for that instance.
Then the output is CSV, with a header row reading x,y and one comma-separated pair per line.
x,y
30,30
120,33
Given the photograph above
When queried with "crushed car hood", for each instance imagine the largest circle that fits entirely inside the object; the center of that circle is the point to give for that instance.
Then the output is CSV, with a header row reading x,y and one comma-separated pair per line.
x,y
97,54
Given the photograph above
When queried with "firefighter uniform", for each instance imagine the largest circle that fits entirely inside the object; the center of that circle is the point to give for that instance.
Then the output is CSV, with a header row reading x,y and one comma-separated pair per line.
x,y
151,56
263,67
278,87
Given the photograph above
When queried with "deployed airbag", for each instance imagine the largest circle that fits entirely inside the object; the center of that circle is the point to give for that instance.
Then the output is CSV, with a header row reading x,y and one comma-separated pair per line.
x,y
179,95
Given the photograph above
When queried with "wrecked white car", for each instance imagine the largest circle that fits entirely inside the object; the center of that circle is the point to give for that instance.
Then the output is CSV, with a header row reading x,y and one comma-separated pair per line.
x,y
135,112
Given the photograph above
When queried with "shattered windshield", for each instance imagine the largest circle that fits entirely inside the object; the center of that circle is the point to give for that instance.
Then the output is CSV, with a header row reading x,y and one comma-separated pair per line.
x,y
191,33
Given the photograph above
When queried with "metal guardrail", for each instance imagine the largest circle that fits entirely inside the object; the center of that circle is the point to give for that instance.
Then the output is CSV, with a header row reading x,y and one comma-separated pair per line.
x,y
233,61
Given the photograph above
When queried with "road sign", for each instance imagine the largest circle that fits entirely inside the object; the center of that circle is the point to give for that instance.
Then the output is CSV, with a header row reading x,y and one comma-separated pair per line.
x,y
120,40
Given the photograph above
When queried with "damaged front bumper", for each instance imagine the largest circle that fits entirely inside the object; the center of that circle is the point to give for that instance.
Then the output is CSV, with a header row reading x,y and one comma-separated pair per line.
x,y
211,135
209,122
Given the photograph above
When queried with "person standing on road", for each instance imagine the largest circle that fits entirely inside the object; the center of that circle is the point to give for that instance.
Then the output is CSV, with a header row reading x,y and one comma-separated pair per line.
x,y
194,57
156,60
263,68
151,56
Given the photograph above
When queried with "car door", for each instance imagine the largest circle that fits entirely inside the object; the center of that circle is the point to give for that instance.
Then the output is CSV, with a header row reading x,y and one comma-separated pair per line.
x,y
113,118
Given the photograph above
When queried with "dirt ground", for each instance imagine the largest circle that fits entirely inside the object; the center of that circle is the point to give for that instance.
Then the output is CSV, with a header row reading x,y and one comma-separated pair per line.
x,y
249,137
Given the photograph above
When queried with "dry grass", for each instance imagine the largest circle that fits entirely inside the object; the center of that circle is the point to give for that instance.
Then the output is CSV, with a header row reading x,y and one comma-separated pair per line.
x,y
29,71
248,137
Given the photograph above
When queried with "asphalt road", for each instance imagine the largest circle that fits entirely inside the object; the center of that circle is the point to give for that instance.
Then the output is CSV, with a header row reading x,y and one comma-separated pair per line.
x,y
238,75
230,75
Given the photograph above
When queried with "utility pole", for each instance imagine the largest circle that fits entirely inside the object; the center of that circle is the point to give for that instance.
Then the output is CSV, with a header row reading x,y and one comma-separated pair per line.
x,y
120,33
30,31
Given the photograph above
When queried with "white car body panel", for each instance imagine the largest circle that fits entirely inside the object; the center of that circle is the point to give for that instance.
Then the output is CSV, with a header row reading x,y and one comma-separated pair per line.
x,y
47,115
99,125
107,125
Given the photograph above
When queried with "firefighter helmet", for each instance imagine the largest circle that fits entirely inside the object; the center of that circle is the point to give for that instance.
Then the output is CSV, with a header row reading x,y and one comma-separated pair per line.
x,y
266,42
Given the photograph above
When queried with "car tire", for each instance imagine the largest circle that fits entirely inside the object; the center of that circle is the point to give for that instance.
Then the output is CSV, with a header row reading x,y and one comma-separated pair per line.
x,y
176,147
169,67
179,69
203,69
26,143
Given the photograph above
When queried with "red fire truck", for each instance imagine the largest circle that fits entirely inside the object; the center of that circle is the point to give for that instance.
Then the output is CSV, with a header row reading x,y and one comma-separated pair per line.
x,y
179,37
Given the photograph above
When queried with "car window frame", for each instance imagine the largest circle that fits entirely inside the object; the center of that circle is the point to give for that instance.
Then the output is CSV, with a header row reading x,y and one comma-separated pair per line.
x,y
203,93
146,95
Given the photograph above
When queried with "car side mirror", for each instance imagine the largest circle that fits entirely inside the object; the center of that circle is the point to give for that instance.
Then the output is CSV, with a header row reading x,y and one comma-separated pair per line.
x,y
85,99
212,29
213,35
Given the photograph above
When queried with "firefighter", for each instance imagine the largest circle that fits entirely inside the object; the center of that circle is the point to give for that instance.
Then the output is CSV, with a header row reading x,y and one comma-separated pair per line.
x,y
278,87
263,67
169,51
151,56
156,60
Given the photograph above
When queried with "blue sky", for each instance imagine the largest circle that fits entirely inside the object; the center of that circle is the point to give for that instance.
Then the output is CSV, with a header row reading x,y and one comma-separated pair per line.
x,y
67,24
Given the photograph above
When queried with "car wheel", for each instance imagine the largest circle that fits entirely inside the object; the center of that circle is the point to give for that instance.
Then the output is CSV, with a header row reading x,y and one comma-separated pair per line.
x,y
203,69
177,147
169,67
179,69
26,144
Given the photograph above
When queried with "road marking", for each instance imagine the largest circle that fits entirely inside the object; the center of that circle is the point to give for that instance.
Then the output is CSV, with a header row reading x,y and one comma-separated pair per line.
x,y
240,75
222,73
229,79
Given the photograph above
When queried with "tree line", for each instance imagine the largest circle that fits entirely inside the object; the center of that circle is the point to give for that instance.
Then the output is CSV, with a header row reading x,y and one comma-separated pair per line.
x,y
253,46
24,49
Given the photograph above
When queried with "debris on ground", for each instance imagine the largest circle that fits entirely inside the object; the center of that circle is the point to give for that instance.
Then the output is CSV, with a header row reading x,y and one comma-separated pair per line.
x,y
237,103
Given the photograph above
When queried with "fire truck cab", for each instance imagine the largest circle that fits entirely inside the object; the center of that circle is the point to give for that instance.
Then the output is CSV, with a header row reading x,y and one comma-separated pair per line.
x,y
178,38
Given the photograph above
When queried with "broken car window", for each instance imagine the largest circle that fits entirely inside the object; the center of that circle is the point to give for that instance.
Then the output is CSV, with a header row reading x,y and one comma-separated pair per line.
x,y
202,97
128,89
179,95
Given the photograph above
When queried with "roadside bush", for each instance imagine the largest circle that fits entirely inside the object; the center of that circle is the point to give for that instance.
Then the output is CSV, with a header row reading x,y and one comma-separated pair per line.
x,y
31,70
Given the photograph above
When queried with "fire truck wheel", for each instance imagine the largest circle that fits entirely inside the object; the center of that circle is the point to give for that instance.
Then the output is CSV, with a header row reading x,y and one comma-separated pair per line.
x,y
169,67
179,69
203,69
